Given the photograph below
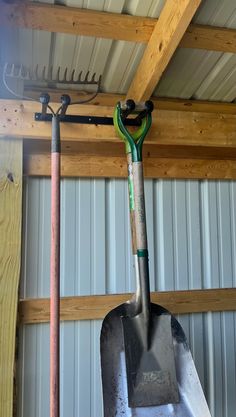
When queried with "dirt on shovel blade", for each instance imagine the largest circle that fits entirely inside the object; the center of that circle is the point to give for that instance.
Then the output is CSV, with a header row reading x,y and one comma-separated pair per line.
x,y
192,401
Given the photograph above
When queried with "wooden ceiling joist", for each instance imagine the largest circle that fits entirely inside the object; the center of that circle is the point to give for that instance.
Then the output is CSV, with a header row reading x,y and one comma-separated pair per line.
x,y
169,30
75,21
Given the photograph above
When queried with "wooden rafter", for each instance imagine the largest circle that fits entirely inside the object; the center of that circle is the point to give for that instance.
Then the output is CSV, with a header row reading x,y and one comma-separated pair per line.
x,y
169,30
116,26
97,306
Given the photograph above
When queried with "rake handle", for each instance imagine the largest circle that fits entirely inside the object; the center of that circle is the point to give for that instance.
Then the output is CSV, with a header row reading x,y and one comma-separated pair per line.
x,y
55,272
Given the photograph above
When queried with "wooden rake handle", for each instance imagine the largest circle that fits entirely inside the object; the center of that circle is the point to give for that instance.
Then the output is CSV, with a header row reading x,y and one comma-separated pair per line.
x,y
55,271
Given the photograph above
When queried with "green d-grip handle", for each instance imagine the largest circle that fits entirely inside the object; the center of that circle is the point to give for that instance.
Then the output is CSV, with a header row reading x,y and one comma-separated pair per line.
x,y
133,141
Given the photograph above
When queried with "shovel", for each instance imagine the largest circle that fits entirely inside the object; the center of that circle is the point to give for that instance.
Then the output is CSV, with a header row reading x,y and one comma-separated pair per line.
x,y
147,368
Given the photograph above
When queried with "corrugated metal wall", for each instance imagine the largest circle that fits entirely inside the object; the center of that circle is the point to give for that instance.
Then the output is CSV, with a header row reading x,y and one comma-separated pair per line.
x,y
192,242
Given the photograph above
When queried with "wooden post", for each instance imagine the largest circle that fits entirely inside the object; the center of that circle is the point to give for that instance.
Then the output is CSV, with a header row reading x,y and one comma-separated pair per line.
x,y
10,250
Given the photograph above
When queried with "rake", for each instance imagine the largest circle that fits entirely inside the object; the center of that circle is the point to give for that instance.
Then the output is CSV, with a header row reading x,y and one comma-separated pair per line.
x,y
51,76
12,71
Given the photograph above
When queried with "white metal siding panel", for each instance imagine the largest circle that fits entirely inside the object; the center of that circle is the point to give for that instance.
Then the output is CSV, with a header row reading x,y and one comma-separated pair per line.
x,y
191,235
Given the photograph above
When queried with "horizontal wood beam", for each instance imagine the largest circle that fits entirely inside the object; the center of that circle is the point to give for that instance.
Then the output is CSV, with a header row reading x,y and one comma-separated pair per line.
x,y
160,103
181,144
169,128
97,306
168,32
54,18
75,21
82,165
209,38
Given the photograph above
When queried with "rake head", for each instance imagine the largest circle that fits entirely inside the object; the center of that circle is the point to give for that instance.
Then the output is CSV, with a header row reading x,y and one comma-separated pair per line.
x,y
50,76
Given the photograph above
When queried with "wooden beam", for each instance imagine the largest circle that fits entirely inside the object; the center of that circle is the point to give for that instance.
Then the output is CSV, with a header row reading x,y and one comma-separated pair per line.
x,y
55,18
82,165
160,103
180,144
209,38
10,251
169,128
168,32
97,306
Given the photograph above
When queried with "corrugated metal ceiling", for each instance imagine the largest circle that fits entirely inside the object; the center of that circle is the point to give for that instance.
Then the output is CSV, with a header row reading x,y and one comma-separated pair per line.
x,y
191,74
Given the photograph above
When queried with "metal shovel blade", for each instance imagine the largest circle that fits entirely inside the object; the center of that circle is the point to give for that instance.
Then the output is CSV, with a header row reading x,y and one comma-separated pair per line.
x,y
192,401
150,364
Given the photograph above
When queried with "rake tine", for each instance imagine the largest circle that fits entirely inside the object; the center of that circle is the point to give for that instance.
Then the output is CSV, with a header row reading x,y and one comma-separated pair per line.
x,y
93,78
16,72
30,74
13,68
43,74
36,72
58,74
22,73
50,74
79,76
99,81
65,75
37,75
10,70
86,77
72,76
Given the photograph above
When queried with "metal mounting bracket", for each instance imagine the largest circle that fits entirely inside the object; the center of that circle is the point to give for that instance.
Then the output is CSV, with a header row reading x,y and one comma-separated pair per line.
x,y
91,120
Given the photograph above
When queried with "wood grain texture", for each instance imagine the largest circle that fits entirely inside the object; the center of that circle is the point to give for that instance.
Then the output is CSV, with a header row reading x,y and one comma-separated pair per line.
x,y
172,128
97,306
168,32
10,250
160,103
78,165
55,18
209,38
